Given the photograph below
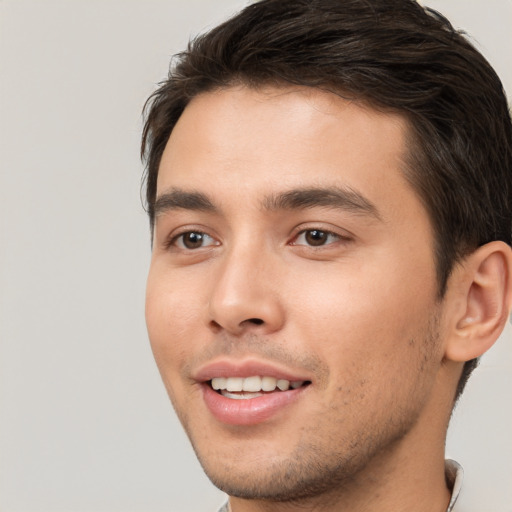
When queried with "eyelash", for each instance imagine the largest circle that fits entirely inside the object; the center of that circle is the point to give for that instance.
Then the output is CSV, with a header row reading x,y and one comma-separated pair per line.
x,y
175,240
326,238
329,237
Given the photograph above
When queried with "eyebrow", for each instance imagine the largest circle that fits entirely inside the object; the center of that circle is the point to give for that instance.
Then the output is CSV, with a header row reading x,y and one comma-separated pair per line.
x,y
177,199
345,198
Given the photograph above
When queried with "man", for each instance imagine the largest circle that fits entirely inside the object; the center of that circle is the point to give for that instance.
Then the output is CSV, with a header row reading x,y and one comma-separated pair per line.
x,y
329,186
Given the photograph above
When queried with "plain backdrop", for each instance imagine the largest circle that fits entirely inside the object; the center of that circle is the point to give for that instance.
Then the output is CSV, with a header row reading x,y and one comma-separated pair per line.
x,y
85,424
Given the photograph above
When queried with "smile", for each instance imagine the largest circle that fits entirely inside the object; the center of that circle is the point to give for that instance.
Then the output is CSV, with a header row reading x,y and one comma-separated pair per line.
x,y
250,391
239,388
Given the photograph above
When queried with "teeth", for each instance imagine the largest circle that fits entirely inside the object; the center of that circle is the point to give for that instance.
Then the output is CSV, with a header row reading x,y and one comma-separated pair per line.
x,y
268,383
219,383
241,396
235,384
283,385
253,384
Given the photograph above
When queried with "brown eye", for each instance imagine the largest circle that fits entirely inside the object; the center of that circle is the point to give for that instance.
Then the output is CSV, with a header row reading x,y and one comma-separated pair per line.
x,y
194,240
316,237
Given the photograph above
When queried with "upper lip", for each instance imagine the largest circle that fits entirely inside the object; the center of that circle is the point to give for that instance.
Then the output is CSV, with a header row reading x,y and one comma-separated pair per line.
x,y
225,367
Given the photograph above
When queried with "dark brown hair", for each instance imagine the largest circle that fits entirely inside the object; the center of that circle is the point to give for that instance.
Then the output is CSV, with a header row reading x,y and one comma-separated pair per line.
x,y
392,54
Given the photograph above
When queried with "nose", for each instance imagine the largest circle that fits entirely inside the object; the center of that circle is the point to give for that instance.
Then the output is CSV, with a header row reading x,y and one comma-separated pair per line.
x,y
245,294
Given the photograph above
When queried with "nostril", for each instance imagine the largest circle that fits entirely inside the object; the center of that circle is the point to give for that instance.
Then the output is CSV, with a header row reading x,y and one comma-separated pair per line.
x,y
255,321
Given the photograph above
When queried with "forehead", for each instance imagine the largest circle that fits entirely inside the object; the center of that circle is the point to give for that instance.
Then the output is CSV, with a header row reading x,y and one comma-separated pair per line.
x,y
241,144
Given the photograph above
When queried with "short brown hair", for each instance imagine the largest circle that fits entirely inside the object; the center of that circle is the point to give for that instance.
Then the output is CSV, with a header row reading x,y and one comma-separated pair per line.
x,y
392,54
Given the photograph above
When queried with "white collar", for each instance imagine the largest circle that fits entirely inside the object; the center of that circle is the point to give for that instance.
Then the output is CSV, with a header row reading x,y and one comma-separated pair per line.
x,y
454,477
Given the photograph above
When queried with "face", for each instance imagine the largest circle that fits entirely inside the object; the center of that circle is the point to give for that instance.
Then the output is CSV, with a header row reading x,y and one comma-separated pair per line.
x,y
291,300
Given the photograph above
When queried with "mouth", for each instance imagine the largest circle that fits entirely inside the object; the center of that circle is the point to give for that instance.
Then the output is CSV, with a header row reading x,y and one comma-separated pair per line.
x,y
251,392
247,388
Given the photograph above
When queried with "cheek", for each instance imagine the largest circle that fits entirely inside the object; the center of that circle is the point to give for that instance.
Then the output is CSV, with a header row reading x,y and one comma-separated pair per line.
x,y
170,318
367,321
170,322
381,354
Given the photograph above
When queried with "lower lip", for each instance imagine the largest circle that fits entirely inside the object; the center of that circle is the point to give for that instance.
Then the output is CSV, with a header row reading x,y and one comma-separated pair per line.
x,y
249,411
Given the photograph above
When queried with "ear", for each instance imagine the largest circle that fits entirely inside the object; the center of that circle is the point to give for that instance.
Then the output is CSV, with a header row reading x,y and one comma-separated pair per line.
x,y
482,289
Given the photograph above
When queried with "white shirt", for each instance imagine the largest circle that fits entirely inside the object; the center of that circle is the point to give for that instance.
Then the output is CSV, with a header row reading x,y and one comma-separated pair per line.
x,y
454,477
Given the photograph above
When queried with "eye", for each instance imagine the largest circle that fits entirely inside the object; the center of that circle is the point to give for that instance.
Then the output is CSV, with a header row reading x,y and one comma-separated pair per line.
x,y
315,238
193,240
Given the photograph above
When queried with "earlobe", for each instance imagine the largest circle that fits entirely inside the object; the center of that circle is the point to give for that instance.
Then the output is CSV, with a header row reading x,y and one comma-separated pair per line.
x,y
485,299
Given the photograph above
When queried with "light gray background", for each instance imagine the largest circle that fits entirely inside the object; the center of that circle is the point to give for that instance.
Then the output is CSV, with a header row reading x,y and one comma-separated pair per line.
x,y
85,424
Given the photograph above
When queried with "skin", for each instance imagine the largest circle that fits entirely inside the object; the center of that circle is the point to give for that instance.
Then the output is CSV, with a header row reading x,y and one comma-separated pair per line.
x,y
357,314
